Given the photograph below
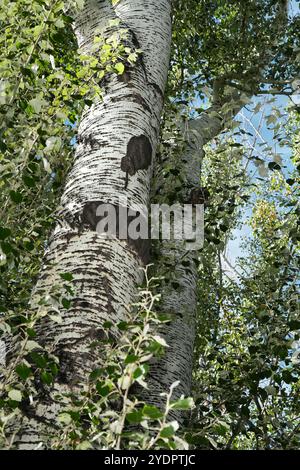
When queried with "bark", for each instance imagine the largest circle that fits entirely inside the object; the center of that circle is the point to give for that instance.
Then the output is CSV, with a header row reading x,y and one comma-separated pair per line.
x,y
179,293
113,160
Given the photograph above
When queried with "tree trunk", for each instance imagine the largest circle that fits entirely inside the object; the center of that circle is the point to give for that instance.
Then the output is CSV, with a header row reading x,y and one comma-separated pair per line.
x,y
113,161
179,265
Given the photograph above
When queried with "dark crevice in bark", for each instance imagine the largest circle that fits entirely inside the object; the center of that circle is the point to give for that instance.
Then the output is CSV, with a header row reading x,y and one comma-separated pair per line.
x,y
134,97
125,77
198,196
156,88
88,140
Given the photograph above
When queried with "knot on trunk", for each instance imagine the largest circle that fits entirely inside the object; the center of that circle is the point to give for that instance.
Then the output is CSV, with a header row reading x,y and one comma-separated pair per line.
x,y
138,156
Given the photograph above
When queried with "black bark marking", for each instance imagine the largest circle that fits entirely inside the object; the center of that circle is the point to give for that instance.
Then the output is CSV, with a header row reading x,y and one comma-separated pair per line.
x,y
136,98
67,369
157,89
88,140
198,196
138,156
90,220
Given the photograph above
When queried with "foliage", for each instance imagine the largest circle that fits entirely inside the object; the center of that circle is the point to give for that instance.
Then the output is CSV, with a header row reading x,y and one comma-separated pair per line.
x,y
99,414
247,366
231,46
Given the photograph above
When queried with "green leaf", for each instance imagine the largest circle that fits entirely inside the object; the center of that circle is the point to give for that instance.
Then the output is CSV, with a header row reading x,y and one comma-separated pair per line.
x,y
4,233
103,390
140,371
152,412
131,358
29,181
95,374
46,378
119,68
167,432
183,404
16,196
23,371
294,325
6,247
80,4
85,445
161,341
116,21
66,303
122,325
66,276
65,418
39,360
15,395
36,104
30,345
134,417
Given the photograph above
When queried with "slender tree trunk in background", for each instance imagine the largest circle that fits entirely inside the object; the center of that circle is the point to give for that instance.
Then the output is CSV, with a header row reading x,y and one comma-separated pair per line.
x,y
179,293
113,161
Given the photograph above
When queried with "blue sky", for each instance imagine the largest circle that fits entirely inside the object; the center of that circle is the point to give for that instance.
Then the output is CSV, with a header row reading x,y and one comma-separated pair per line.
x,y
234,248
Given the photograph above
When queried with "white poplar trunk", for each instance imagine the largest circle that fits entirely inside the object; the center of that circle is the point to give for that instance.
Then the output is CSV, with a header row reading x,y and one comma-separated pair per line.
x,y
181,301
105,272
